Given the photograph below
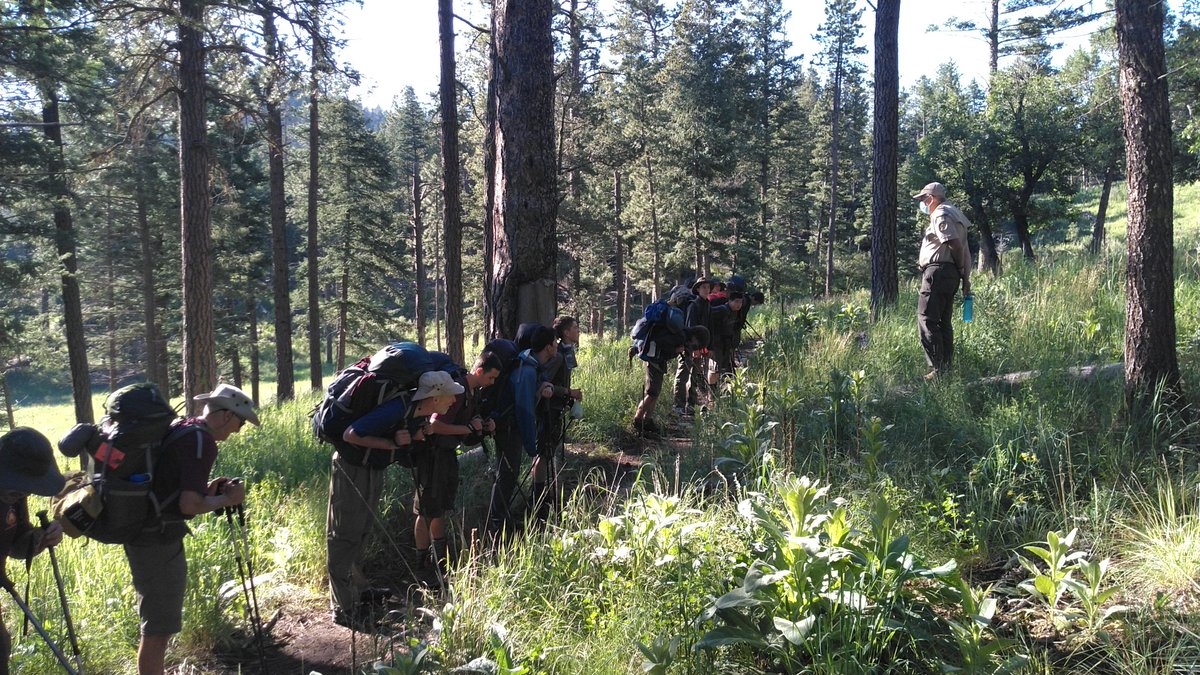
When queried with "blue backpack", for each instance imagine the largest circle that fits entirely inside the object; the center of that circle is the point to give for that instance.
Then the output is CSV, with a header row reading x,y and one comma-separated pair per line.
x,y
373,381
657,314
524,383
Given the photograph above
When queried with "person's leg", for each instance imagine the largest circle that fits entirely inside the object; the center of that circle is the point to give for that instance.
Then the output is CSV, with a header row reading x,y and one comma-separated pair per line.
x,y
152,654
930,311
159,573
683,378
698,392
508,463
354,492
948,284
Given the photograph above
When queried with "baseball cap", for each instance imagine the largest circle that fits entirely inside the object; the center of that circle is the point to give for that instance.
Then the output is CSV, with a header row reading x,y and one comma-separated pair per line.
x,y
229,397
437,383
935,189
27,463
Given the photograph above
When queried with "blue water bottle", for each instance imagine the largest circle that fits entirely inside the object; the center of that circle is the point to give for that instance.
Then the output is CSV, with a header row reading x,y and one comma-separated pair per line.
x,y
968,308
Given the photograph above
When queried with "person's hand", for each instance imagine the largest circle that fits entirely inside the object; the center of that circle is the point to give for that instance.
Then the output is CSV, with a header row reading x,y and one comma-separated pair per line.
x,y
475,426
490,426
52,535
420,435
966,287
547,390
577,394
233,490
402,437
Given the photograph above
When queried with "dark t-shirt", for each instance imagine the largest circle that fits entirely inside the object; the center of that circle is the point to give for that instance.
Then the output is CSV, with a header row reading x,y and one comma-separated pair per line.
x,y
184,465
462,411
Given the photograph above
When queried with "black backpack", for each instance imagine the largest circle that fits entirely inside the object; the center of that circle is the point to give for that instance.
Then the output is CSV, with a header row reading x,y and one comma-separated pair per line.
x,y
112,500
366,385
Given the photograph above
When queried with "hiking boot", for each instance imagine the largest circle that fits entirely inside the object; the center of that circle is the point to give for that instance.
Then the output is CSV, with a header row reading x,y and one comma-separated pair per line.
x,y
931,376
646,428
375,596
681,411
356,621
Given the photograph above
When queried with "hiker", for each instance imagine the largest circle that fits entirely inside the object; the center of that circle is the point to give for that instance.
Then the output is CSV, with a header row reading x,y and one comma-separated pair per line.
x,y
552,410
725,320
26,467
367,448
437,469
157,559
691,377
517,420
668,343
944,259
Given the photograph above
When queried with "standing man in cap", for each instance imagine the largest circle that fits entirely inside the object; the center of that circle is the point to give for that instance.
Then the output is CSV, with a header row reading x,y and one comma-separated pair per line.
x,y
944,259
26,467
369,446
157,560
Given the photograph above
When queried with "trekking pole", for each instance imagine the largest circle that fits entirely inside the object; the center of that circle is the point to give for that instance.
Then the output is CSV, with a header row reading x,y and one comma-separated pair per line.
x,y
241,551
62,598
37,625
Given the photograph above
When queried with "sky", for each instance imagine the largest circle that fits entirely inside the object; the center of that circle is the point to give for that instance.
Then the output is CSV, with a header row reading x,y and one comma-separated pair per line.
x,y
394,43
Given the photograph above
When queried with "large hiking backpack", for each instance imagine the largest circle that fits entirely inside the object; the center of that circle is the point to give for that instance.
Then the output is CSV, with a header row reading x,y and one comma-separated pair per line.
x,y
366,385
496,400
657,314
442,361
112,500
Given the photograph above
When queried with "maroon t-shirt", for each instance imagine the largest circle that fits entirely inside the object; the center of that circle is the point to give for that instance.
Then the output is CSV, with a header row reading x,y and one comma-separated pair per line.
x,y
184,465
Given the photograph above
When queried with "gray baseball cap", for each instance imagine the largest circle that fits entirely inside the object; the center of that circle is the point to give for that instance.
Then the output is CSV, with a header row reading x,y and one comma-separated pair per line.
x,y
935,189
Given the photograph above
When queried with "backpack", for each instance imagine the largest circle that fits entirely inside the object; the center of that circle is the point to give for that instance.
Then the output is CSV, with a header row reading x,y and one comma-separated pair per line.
x,y
112,500
496,401
366,385
442,361
681,297
657,314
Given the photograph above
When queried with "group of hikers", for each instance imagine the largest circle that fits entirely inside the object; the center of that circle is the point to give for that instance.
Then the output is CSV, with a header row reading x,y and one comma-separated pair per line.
x,y
147,472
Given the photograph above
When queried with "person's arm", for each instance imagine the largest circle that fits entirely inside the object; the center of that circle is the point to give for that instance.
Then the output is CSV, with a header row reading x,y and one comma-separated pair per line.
x,y
221,493
442,428
962,260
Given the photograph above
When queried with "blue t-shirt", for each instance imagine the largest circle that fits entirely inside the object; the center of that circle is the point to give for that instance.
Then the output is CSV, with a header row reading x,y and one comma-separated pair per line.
x,y
382,422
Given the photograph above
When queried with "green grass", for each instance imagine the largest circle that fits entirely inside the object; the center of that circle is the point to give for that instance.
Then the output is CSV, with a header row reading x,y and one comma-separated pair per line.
x,y
632,573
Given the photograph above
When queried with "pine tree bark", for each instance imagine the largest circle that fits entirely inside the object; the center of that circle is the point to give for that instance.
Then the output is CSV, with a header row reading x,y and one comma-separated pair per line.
x,y
1150,356
451,199
195,209
835,131
285,388
1097,244
418,229
619,285
884,281
252,321
524,259
155,365
64,245
312,252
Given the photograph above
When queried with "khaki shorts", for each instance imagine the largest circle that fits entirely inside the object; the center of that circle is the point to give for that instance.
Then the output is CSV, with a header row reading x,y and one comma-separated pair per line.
x,y
160,579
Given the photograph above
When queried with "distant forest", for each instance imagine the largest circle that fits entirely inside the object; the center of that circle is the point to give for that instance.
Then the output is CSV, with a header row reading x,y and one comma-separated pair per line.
x,y
187,193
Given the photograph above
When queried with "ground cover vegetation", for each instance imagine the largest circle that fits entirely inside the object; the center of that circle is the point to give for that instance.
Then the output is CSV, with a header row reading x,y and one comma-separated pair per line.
x,y
832,514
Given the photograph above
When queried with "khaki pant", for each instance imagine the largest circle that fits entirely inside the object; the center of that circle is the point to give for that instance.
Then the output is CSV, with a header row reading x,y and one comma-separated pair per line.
x,y
354,493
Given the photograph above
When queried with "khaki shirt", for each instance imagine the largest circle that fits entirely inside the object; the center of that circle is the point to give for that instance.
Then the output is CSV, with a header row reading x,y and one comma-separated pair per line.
x,y
945,223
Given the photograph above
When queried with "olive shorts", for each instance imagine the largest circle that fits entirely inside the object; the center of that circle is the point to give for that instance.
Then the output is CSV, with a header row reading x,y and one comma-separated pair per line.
x,y
160,579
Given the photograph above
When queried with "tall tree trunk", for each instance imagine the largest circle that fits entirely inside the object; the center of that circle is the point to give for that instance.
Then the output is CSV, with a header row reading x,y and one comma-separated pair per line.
x,y
451,177
64,245
252,321
110,293
343,311
655,232
8,407
835,131
195,209
619,290
235,366
418,229
1020,214
155,367
489,179
313,251
1101,213
524,256
885,288
1150,356
280,259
